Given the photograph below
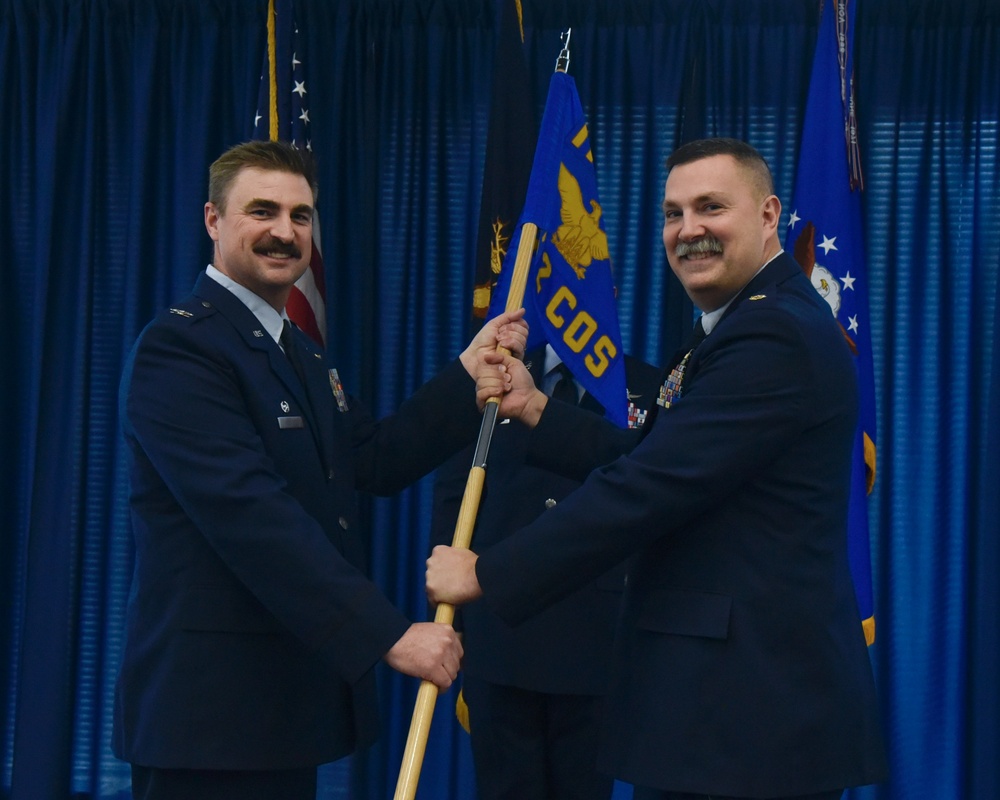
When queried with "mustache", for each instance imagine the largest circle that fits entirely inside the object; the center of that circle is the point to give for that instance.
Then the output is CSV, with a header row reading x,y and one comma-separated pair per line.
x,y
272,245
706,244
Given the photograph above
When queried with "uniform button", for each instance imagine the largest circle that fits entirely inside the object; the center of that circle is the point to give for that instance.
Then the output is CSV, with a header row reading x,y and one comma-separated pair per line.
x,y
550,503
206,304
329,475
343,522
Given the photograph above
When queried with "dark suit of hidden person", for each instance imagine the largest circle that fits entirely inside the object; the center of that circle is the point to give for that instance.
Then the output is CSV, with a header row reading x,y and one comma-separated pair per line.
x,y
252,628
534,691
740,666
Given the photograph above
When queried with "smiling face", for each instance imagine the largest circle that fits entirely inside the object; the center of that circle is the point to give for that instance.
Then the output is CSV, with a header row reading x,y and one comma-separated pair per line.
x,y
719,227
263,233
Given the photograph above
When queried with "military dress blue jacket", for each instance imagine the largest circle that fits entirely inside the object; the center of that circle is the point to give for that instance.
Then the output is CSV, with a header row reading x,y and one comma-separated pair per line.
x,y
740,665
252,625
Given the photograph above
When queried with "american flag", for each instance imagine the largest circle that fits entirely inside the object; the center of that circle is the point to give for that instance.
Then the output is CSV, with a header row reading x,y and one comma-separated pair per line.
x,y
283,114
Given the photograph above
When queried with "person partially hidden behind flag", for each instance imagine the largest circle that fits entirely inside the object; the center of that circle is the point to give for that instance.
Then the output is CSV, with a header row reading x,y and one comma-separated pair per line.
x,y
741,669
534,692
252,629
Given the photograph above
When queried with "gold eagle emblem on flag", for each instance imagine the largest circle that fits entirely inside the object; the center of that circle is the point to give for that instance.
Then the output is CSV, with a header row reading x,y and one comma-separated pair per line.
x,y
579,239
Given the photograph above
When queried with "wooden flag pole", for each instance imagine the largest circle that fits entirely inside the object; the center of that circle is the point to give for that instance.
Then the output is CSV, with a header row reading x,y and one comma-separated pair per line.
x,y
272,74
423,709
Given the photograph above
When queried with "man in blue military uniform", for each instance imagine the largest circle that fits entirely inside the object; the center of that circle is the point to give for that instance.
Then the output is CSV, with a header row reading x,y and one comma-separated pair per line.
x,y
741,669
252,628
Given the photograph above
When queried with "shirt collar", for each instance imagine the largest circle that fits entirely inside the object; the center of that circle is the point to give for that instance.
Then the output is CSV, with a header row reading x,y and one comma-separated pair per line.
x,y
270,320
551,375
711,318
552,359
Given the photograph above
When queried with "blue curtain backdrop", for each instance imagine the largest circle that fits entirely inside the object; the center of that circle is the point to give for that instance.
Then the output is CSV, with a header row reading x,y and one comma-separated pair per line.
x,y
112,111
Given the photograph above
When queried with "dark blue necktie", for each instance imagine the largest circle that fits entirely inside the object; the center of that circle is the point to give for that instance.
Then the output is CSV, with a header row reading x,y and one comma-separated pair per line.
x,y
565,388
292,352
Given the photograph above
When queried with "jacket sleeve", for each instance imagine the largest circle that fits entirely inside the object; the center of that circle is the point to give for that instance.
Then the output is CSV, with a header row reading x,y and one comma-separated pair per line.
x,y
572,442
435,422
757,390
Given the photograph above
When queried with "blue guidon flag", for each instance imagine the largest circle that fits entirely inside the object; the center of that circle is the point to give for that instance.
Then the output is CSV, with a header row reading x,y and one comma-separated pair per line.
x,y
825,235
569,298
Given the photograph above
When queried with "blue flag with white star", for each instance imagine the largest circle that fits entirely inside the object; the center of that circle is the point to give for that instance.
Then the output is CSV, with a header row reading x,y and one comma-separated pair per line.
x,y
569,299
825,236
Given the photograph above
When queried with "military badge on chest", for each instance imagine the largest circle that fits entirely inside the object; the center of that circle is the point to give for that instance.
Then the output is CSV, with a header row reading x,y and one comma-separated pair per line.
x,y
636,415
287,421
670,392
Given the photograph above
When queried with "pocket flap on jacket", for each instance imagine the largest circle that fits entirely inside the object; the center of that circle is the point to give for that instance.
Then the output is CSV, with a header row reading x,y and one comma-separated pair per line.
x,y
211,608
686,613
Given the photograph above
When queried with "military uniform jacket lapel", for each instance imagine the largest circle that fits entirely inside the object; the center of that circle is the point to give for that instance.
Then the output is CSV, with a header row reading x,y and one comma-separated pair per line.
x,y
310,402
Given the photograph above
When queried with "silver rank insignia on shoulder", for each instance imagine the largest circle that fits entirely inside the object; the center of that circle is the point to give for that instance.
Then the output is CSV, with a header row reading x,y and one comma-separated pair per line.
x,y
181,312
338,391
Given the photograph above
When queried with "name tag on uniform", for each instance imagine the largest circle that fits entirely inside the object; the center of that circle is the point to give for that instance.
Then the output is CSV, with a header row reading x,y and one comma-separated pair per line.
x,y
290,422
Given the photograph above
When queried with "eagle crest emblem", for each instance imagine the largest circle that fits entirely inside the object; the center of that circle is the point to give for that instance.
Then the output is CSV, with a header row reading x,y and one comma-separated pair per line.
x,y
579,239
